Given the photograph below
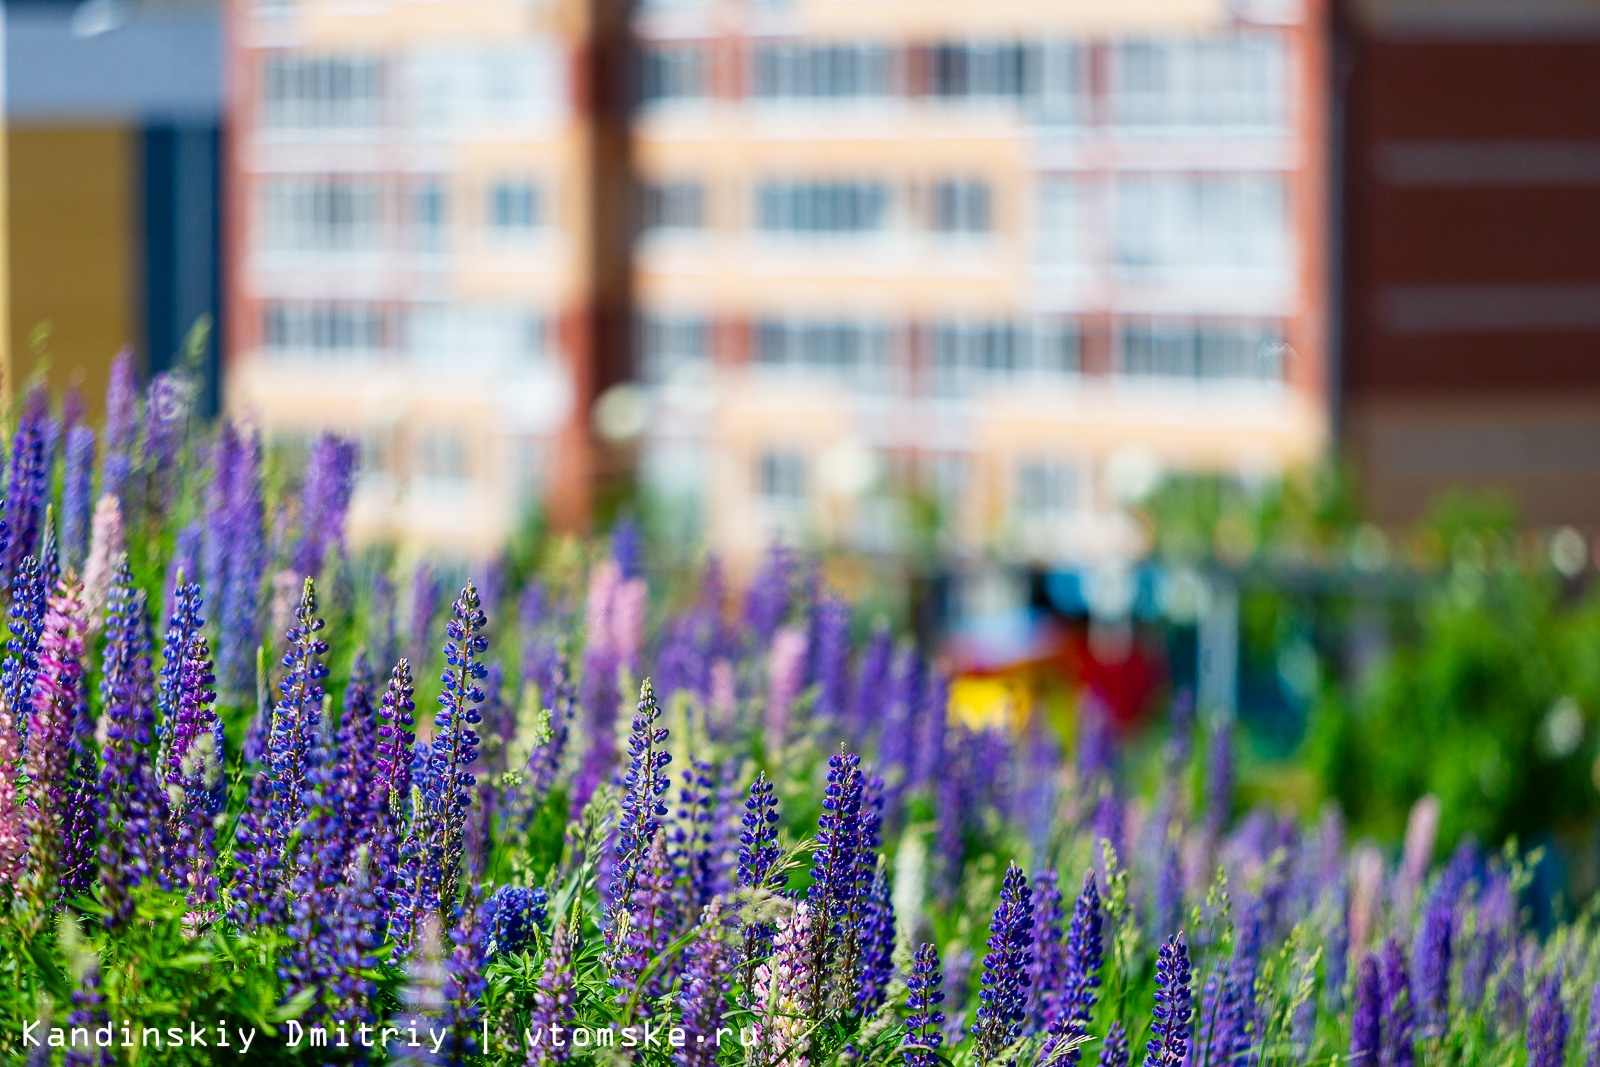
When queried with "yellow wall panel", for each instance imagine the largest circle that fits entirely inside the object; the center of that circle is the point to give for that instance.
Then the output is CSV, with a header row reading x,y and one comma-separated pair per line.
x,y
74,237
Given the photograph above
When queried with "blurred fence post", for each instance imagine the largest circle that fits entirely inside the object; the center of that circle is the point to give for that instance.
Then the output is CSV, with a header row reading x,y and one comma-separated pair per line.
x,y
1219,646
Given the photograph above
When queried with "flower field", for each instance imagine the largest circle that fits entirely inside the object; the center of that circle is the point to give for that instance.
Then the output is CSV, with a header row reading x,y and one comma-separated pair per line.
x,y
266,799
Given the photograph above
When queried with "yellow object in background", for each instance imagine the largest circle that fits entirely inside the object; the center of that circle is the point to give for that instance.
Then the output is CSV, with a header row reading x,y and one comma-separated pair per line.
x,y
988,702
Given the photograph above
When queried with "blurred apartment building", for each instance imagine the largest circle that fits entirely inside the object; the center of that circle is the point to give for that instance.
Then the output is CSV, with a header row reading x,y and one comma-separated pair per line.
x,y
113,143
1008,260
999,262
417,258
1471,309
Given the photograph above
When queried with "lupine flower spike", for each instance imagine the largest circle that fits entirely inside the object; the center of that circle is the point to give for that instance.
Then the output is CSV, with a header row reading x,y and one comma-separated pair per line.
x,y
1003,999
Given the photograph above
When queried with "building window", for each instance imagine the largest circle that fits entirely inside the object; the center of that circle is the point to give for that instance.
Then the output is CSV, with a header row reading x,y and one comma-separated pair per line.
x,y
971,356
513,207
321,214
822,207
968,69
798,71
441,458
1214,81
1202,226
961,206
678,205
483,338
430,213
669,344
781,478
852,353
1045,489
461,92
1201,351
334,332
676,71
1060,235
306,92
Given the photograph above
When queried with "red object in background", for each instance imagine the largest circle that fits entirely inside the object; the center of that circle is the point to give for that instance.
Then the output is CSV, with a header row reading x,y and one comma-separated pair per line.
x,y
1123,686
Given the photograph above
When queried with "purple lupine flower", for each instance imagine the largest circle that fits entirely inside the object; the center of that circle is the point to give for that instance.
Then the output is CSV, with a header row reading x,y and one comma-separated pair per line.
x,y
783,984
325,500
216,542
646,931
166,420
758,864
1003,997
902,716
952,809
1366,1033
196,791
692,833
705,989
785,668
464,986
121,426
643,786
184,561
554,997
357,752
312,922
1169,1024
924,1020
396,738
1547,1026
105,550
928,759
28,487
49,760
426,593
1591,1035
1399,1048
29,597
76,496
1167,902
13,838
238,599
132,847
277,801
1114,1052
1049,971
877,946
830,657
1106,827
512,915
872,682
1511,998
448,786
1430,966
834,894
767,600
185,622
1067,1015
546,759
89,1014
627,548
84,812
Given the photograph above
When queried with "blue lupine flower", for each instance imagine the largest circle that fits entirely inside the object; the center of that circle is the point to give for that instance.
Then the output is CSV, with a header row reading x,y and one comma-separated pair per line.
x,y
877,946
131,849
1003,998
1049,972
554,999
830,652
1114,1052
196,789
706,971
121,427
649,925
835,891
769,596
512,915
1431,965
643,785
693,833
29,595
76,496
1399,1048
1067,1016
924,1020
1547,1026
1366,1024
325,500
1169,1024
